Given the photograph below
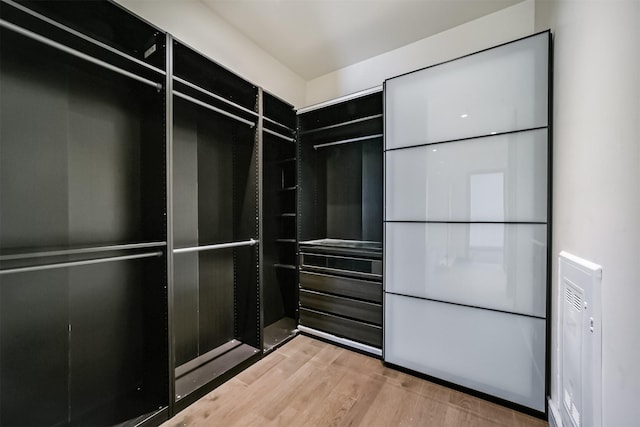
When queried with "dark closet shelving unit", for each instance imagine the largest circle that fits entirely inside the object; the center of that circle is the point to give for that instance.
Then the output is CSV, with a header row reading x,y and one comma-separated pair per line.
x,y
279,219
340,156
83,244
216,322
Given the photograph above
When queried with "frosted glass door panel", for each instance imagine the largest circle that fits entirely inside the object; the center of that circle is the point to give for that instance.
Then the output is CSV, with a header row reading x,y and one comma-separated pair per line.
x,y
496,353
496,266
498,90
500,178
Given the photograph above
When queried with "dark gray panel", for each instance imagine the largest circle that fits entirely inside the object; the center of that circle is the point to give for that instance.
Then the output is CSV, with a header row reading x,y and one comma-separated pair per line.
x,y
33,163
104,159
71,170
106,344
312,192
354,309
185,176
344,192
372,184
185,307
339,326
353,288
216,306
272,297
215,180
33,348
245,184
247,315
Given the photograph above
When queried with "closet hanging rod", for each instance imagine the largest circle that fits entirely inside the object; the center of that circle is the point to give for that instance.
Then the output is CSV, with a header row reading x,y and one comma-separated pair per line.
x,y
337,125
212,108
76,53
77,251
348,141
250,242
286,138
78,263
277,123
83,36
213,95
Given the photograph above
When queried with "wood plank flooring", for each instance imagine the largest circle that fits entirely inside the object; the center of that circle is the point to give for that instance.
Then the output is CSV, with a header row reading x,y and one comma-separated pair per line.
x,y
311,383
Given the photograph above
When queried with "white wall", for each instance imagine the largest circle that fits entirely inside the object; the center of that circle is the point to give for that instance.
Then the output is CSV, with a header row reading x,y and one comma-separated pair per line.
x,y
596,170
196,25
499,27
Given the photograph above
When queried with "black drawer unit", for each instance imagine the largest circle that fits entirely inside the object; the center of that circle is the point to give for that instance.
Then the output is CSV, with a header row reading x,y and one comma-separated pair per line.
x,y
341,292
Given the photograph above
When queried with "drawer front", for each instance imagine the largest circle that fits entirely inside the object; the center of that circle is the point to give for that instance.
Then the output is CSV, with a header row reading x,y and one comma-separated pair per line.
x,y
351,288
354,309
339,326
358,267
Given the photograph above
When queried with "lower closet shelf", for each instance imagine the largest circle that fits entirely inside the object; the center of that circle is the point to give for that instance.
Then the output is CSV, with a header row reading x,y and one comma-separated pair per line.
x,y
278,333
199,372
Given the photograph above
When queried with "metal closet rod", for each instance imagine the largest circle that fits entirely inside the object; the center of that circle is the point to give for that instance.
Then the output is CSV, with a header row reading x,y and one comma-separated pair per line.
x,y
212,108
250,242
348,141
83,36
79,263
213,95
76,53
77,251
286,138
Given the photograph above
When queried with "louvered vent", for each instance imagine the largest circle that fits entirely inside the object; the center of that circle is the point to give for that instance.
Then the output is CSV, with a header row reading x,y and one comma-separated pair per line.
x,y
573,298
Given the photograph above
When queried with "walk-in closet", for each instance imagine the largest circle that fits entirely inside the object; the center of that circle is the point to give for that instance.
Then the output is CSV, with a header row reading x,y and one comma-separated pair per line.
x,y
166,223
340,214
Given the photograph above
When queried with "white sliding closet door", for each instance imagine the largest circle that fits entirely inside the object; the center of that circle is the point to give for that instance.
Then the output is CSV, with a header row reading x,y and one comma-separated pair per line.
x,y
466,212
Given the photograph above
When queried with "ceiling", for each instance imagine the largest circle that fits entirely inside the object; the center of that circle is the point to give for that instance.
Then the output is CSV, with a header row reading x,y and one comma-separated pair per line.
x,y
315,37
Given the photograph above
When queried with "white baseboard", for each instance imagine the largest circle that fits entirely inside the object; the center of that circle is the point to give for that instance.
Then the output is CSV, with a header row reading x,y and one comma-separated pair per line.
x,y
554,415
340,340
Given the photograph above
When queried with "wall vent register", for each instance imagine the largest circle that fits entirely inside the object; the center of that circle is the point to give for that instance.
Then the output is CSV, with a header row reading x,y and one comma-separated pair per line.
x,y
579,351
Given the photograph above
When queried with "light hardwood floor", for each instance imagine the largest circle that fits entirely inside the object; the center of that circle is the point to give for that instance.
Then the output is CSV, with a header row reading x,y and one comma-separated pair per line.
x,y
311,383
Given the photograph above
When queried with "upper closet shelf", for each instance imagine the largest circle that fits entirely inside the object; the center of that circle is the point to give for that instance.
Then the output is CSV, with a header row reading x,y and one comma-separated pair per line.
x,y
278,124
348,141
213,95
349,122
212,108
83,36
59,46
341,100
